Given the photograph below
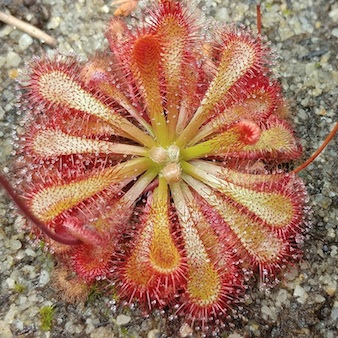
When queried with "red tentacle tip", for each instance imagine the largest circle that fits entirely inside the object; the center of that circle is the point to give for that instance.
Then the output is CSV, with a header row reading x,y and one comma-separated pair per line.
x,y
249,131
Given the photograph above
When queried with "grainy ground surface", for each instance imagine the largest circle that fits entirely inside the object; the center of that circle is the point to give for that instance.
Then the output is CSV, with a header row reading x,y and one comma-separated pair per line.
x,y
305,302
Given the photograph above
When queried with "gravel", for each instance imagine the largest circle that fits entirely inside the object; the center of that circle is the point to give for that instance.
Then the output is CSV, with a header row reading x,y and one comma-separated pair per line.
x,y
305,302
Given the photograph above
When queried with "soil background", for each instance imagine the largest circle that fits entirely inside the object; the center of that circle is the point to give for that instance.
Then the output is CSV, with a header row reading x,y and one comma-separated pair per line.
x,y
304,34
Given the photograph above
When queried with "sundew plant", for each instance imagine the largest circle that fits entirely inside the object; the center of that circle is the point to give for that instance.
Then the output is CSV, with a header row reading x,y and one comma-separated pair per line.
x,y
159,165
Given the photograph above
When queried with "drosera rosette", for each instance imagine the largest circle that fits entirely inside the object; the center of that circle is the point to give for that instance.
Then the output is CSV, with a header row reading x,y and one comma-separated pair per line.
x,y
157,165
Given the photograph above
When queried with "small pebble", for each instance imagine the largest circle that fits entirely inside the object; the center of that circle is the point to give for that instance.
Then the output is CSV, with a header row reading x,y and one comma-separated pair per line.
x,y
102,332
10,283
153,333
2,61
330,289
300,294
185,330
235,335
15,245
13,59
54,23
122,319
319,299
104,9
282,296
334,314
25,41
30,252
269,311
223,14
334,250
334,32
334,15
17,325
44,278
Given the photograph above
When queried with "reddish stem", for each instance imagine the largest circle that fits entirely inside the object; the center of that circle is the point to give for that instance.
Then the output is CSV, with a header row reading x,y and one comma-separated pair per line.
x,y
318,151
21,205
259,19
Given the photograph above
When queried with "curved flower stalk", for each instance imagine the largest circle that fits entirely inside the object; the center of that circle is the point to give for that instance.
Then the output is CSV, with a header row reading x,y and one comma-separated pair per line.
x,y
160,156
